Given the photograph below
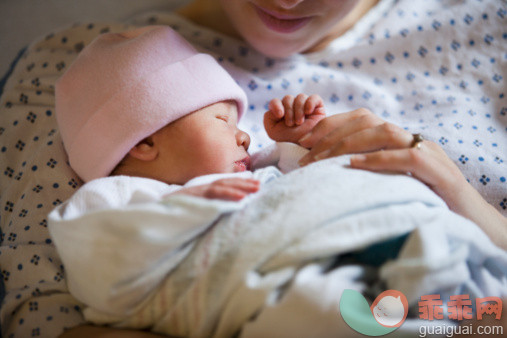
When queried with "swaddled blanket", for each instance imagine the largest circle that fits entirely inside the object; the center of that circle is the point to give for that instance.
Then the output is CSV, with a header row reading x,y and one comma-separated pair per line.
x,y
240,258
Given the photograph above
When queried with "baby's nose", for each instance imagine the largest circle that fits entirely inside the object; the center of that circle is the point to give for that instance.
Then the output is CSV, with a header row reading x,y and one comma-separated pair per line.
x,y
242,139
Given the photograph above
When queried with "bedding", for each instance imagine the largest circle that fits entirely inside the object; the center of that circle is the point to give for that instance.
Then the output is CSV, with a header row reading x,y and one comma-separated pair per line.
x,y
35,178
433,67
187,266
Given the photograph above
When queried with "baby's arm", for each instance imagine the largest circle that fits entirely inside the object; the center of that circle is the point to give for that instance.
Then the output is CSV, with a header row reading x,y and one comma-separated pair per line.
x,y
230,189
289,119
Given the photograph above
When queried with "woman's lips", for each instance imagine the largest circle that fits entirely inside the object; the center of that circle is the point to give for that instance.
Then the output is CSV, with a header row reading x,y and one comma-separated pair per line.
x,y
242,165
280,22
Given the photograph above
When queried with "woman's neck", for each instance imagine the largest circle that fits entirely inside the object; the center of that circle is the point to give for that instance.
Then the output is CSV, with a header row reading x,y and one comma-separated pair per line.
x,y
209,13
344,25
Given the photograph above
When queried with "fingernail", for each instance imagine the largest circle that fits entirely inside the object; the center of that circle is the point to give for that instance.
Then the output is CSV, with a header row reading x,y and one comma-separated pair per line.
x,y
358,158
304,138
322,155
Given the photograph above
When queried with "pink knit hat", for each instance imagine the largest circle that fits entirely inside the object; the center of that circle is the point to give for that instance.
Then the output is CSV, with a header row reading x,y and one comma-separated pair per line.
x,y
124,87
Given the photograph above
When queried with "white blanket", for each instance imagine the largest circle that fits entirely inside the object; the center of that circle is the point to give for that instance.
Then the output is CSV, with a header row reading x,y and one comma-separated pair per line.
x,y
244,262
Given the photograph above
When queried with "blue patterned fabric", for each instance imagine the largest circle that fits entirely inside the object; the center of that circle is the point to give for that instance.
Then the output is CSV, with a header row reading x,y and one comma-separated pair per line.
x,y
437,67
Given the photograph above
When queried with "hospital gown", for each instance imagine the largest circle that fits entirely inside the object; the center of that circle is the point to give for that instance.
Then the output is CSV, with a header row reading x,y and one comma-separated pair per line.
x,y
434,67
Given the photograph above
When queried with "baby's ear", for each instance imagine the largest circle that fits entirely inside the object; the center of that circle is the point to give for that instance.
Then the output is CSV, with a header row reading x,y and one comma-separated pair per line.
x,y
144,150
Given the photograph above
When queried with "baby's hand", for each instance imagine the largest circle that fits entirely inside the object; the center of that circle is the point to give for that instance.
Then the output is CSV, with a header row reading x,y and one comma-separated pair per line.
x,y
229,189
291,118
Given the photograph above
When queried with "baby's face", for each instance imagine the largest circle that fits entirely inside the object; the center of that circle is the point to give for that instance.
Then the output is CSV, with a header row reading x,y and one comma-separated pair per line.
x,y
204,142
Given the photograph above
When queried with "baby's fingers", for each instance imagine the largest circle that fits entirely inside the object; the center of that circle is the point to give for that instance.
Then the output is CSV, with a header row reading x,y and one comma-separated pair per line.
x,y
288,105
224,193
276,108
233,189
244,184
299,109
314,105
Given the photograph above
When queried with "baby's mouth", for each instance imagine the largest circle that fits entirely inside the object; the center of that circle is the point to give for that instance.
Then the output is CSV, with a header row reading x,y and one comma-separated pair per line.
x,y
242,165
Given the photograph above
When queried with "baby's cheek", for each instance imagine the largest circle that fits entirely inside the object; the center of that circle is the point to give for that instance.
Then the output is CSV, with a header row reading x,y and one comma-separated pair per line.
x,y
213,161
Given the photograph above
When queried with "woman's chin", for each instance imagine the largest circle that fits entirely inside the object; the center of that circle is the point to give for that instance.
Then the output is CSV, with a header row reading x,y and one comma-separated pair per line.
x,y
276,49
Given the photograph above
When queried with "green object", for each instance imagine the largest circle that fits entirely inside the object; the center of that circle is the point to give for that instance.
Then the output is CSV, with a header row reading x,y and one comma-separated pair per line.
x,y
356,313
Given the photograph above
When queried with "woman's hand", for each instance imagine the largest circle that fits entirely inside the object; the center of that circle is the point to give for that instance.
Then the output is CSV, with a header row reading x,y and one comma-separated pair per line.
x,y
383,146
229,189
287,120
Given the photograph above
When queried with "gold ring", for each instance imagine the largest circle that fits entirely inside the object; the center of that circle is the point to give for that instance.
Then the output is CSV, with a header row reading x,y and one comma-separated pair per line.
x,y
417,141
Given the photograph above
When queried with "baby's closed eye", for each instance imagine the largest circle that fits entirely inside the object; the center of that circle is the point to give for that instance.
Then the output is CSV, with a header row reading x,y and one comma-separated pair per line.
x,y
223,118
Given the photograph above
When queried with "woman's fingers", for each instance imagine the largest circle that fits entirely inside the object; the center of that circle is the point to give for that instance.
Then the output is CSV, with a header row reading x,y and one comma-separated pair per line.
x,y
429,164
329,129
359,138
398,160
361,135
